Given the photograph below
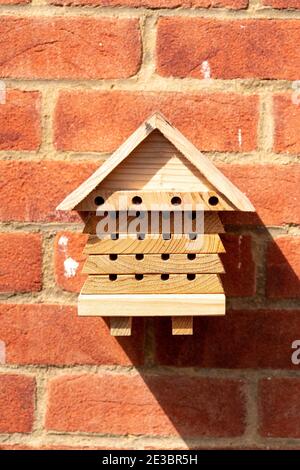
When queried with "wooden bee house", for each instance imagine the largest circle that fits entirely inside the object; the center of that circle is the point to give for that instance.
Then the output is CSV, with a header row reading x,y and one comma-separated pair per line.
x,y
151,265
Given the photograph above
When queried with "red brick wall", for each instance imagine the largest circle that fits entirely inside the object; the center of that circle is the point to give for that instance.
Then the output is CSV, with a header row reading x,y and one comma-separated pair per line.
x,y
79,80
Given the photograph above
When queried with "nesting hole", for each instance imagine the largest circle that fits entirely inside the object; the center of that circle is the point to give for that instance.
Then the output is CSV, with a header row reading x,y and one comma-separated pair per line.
x,y
114,236
113,277
164,277
141,236
191,256
137,200
139,277
193,236
165,256
191,277
139,256
213,200
176,200
166,236
113,257
99,200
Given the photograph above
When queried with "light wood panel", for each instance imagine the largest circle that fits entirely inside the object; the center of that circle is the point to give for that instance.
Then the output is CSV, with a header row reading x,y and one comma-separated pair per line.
x,y
182,325
155,244
150,284
151,305
210,220
120,326
156,165
154,201
153,264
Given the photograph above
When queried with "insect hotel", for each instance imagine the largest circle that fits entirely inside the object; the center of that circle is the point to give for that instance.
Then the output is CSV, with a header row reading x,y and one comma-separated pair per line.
x,y
151,212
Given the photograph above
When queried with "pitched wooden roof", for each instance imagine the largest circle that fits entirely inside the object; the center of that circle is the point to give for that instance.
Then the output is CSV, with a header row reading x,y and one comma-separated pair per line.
x,y
222,184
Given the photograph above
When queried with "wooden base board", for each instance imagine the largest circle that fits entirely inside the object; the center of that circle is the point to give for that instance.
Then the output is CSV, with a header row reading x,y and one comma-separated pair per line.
x,y
151,305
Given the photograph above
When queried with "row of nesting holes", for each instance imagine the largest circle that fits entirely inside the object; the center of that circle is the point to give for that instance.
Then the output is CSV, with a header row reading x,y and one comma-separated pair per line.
x,y
163,277
164,256
165,236
175,201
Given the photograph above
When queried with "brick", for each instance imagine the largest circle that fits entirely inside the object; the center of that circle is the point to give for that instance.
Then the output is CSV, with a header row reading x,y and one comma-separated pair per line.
x,y
20,126
20,262
273,190
282,4
231,4
17,393
55,335
30,191
149,404
260,48
279,407
74,48
239,278
218,119
287,116
69,260
283,268
253,339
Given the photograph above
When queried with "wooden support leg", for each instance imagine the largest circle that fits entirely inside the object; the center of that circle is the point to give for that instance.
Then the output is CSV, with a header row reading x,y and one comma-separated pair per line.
x,y
182,325
120,326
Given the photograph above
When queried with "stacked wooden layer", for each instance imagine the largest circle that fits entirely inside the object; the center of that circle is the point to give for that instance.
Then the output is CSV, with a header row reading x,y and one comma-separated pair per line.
x,y
175,275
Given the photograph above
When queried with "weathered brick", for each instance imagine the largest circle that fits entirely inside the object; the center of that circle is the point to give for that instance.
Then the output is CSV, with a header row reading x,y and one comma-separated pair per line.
x,y
20,127
218,119
239,277
253,339
72,48
69,260
258,48
20,262
31,191
231,4
16,403
148,404
283,268
54,334
279,407
282,4
273,190
287,116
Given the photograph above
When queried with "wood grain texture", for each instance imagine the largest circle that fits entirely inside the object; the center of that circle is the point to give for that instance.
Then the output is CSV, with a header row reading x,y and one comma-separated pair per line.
x,y
153,201
207,169
151,305
120,326
156,165
182,325
153,264
154,244
151,284
205,222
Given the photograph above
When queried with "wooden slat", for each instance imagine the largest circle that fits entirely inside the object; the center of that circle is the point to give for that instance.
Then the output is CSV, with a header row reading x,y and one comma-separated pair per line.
x,y
182,325
153,264
153,200
211,224
120,326
154,244
151,283
149,305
